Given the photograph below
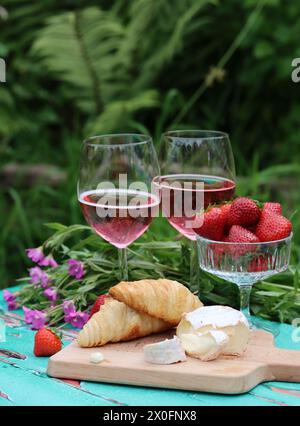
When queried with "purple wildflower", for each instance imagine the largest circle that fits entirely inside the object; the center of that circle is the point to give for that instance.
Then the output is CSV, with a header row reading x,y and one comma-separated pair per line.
x,y
10,299
28,314
51,294
48,261
69,310
38,276
79,319
76,268
75,318
35,254
36,318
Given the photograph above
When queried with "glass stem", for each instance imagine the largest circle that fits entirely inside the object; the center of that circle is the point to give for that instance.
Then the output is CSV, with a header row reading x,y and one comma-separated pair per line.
x,y
245,291
123,266
194,267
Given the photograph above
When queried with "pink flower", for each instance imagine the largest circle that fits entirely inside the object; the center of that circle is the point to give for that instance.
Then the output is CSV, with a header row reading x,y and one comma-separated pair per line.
x,y
76,268
48,261
51,294
35,254
28,314
36,318
10,299
38,276
75,318
79,319
69,310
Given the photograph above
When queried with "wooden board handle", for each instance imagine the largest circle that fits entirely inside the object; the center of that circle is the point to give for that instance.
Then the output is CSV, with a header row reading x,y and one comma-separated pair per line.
x,y
285,364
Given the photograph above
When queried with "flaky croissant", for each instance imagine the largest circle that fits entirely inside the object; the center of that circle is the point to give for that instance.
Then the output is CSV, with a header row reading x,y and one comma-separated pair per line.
x,y
162,298
115,322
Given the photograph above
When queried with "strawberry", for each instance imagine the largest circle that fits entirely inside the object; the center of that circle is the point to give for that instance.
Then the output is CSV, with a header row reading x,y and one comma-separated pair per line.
x,y
238,234
243,212
46,343
225,210
272,227
272,207
96,306
259,264
220,249
213,224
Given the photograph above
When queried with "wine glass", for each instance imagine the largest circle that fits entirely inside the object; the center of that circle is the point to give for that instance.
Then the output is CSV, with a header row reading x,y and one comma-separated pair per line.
x,y
115,188
197,170
244,264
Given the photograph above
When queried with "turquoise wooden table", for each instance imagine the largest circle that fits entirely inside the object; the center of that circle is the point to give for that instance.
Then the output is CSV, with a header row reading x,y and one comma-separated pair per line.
x,y
23,379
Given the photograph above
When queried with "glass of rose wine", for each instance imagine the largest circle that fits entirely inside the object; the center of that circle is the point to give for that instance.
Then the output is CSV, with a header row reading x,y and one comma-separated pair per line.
x,y
115,189
197,170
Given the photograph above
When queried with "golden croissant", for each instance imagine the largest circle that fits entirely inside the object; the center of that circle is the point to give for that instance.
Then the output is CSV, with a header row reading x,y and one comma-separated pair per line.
x,y
115,322
137,309
162,298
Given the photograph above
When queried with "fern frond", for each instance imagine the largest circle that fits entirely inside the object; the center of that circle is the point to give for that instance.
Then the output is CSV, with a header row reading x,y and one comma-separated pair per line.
x,y
117,114
173,23
80,48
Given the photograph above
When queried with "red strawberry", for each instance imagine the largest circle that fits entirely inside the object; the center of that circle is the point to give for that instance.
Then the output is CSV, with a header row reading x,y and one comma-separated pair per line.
x,y
258,264
213,224
272,207
251,229
96,306
243,212
225,210
46,343
220,249
238,234
272,227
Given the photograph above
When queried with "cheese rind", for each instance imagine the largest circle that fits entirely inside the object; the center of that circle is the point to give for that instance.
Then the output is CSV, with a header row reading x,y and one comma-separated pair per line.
x,y
168,351
218,318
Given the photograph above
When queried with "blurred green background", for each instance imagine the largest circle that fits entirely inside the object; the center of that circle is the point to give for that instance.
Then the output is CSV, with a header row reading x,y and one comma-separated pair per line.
x,y
75,69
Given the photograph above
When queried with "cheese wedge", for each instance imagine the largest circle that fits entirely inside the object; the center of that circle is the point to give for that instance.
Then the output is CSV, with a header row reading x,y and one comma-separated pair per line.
x,y
205,346
168,351
217,318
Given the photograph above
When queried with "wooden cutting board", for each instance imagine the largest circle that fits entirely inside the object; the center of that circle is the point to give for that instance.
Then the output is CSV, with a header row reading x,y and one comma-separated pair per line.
x,y
124,364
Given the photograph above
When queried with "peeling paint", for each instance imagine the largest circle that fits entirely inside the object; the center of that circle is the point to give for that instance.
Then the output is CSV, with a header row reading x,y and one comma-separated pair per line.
x,y
273,401
4,395
75,383
290,392
12,354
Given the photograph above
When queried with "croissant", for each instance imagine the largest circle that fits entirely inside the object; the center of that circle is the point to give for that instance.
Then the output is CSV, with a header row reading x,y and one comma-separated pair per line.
x,y
115,322
162,298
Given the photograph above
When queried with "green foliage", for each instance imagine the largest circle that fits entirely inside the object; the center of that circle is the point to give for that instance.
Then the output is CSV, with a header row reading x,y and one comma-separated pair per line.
x,y
277,298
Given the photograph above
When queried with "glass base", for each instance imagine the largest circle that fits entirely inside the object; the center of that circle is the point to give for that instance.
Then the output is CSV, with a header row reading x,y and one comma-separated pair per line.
x,y
258,324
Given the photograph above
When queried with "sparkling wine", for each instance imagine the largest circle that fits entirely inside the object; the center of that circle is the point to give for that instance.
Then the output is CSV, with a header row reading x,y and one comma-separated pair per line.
x,y
181,195
119,216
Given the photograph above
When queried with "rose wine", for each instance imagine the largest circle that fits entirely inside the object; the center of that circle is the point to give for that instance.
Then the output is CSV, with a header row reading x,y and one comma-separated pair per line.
x,y
184,195
119,216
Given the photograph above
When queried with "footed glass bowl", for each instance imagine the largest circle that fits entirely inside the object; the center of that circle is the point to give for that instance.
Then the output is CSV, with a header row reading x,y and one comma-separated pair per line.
x,y
244,264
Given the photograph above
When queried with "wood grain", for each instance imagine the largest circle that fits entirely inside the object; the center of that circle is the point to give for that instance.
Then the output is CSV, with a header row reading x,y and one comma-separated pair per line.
x,y
124,363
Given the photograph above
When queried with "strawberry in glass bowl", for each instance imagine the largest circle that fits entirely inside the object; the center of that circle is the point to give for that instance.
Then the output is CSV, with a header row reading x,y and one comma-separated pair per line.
x,y
244,243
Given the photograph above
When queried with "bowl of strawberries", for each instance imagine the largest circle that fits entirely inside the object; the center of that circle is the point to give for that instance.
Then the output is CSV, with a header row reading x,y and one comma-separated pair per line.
x,y
244,242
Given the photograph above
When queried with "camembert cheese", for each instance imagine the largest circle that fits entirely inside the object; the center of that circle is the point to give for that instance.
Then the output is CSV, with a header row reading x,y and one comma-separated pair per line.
x,y
196,332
